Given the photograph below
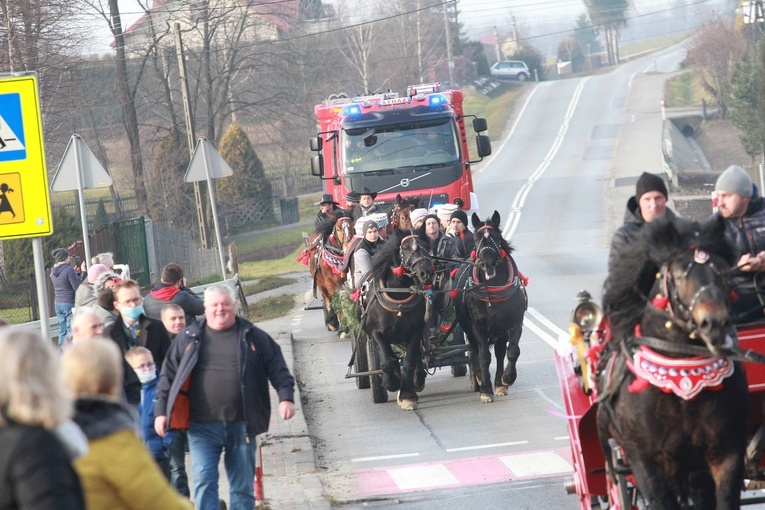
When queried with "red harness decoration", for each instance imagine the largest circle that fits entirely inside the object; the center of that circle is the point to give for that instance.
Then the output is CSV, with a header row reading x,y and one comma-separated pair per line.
x,y
333,261
685,377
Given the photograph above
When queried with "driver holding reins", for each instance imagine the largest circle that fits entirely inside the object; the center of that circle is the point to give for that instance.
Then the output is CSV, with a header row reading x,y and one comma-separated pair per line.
x,y
744,214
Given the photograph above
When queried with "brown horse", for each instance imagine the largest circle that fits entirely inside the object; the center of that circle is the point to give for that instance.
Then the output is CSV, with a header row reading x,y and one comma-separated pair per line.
x,y
399,215
326,260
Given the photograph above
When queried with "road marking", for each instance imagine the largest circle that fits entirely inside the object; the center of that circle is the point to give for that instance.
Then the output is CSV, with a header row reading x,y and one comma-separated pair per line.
x,y
512,130
561,438
385,457
536,464
547,322
549,400
552,342
520,197
482,446
421,477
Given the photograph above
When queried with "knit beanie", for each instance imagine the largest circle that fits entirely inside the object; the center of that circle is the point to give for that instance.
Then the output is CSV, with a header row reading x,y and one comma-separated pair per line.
x,y
352,197
417,214
60,254
460,215
650,182
369,224
735,180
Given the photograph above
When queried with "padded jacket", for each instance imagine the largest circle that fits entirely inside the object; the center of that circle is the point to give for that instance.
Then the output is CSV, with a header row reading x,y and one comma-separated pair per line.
x,y
629,231
260,361
747,235
35,472
164,294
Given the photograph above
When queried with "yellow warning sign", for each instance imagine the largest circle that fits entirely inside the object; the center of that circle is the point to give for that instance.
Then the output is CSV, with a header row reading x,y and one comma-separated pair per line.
x,y
11,199
24,198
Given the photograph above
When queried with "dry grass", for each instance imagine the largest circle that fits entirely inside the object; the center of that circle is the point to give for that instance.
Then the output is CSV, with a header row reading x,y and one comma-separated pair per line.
x,y
721,145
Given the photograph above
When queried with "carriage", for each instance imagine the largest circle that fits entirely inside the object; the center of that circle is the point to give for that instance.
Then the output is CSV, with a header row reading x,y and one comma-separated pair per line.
x,y
603,474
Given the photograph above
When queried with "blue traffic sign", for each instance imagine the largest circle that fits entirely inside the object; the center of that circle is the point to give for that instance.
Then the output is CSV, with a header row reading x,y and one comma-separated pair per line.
x,y
12,146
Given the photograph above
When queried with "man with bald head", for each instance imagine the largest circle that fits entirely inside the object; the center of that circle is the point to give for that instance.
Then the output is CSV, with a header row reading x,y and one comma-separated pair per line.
x,y
215,382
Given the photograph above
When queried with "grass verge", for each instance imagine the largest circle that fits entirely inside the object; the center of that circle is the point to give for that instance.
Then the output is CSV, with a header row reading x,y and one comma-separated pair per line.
x,y
259,269
267,283
685,90
496,110
271,308
631,50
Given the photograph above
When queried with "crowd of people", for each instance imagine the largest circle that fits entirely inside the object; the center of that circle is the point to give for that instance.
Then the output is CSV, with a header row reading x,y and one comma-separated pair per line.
x,y
104,420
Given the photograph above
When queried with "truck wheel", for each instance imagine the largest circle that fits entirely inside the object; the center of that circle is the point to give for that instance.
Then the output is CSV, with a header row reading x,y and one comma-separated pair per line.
x,y
379,394
360,361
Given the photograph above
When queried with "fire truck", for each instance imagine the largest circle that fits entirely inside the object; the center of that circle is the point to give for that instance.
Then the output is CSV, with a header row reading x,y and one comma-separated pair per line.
x,y
413,145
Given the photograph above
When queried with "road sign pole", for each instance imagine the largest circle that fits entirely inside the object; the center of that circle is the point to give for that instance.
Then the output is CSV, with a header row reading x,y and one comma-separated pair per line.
x,y
211,191
81,196
42,288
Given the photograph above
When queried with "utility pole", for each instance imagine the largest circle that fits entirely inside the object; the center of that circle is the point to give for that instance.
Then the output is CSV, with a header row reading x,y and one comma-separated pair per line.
x,y
190,135
515,31
496,44
448,45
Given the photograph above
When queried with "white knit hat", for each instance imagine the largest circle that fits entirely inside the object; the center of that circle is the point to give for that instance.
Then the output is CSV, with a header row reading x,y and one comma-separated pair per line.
x,y
417,214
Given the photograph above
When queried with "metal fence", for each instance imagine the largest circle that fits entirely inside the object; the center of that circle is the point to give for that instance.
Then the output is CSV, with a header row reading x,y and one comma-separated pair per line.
x,y
128,206
175,245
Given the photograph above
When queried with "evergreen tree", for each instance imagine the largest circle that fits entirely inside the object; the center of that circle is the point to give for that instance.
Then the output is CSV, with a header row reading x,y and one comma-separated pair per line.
x,y
101,218
19,263
248,187
532,57
587,34
747,99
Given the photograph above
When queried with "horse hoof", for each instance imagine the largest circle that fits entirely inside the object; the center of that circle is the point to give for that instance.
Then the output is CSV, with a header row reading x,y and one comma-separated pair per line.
x,y
405,403
331,327
344,335
500,391
509,380
487,398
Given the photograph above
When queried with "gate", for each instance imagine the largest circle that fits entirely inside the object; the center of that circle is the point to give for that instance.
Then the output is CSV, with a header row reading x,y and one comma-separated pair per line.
x,y
127,241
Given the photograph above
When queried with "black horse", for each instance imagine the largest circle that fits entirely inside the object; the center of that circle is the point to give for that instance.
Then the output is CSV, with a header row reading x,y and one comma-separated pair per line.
x,y
394,312
667,301
490,298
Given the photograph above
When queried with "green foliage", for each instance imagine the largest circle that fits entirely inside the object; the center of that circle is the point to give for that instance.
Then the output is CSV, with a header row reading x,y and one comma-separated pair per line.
x,y
747,98
532,57
170,199
101,218
249,181
473,51
607,12
19,263
587,34
345,308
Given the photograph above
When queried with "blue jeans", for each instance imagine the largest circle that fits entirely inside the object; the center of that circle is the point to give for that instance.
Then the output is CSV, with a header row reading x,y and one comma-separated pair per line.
x,y
64,315
207,440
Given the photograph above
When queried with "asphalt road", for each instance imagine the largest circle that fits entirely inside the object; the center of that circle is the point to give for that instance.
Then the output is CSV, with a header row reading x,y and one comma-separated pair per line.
x,y
559,179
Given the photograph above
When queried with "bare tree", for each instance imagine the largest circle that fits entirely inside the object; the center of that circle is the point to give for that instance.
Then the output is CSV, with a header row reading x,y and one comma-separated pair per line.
x,y
713,51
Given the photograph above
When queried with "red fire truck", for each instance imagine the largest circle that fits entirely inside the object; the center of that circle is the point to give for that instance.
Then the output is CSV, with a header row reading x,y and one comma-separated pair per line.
x,y
398,145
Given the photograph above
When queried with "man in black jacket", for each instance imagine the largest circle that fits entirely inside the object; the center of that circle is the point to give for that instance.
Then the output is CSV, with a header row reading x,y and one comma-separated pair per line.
x,y
172,289
648,204
132,328
215,383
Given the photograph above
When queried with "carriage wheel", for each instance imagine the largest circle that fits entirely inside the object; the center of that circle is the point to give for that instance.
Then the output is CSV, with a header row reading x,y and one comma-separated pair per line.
x,y
623,490
458,338
379,394
360,362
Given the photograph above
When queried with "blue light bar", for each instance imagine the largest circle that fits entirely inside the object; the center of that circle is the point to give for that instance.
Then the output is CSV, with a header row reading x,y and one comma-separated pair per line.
x,y
351,109
437,99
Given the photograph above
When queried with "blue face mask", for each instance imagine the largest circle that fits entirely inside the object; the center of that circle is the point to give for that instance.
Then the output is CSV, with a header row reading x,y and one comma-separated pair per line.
x,y
132,313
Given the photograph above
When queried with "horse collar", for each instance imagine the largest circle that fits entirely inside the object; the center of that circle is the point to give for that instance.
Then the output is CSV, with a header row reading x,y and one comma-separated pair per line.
x,y
685,377
495,293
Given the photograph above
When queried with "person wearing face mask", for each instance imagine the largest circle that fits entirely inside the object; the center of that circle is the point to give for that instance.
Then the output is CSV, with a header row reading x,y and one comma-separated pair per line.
x,y
142,362
131,328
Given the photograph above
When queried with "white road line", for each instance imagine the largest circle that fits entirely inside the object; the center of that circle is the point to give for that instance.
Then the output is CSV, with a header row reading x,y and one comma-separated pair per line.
x,y
385,457
561,438
547,322
512,130
552,342
483,446
520,197
549,400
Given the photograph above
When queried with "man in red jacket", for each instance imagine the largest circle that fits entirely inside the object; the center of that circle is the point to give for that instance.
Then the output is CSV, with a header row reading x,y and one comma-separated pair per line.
x,y
172,290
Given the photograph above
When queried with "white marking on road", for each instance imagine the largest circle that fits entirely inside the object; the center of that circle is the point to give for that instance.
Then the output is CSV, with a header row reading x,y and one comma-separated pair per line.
x,y
520,197
420,477
536,464
552,342
385,457
561,438
512,130
483,446
547,322
548,399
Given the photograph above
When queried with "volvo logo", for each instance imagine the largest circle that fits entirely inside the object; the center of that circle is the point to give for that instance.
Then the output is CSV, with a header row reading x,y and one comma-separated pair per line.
x,y
404,183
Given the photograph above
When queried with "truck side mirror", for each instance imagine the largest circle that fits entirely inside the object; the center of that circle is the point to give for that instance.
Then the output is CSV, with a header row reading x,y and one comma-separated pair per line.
x,y
315,143
317,165
483,144
480,125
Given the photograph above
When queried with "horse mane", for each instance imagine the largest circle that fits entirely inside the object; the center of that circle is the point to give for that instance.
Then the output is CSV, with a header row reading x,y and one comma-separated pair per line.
x,y
633,272
388,253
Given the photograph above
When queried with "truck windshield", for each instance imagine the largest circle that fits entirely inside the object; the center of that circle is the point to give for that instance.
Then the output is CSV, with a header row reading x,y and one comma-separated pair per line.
x,y
413,144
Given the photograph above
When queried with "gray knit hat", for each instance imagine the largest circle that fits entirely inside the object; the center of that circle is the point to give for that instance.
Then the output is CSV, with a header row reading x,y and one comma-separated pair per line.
x,y
735,180
60,254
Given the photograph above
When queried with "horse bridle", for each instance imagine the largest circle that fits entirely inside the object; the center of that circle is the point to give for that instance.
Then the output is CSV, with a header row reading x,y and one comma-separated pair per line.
x,y
418,254
670,287
486,236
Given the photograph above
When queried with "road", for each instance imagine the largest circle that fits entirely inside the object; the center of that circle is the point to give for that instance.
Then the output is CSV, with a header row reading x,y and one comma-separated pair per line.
x,y
559,179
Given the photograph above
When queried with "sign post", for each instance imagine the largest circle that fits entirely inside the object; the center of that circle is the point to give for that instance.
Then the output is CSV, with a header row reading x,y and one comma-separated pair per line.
x,y
24,199
206,164
79,170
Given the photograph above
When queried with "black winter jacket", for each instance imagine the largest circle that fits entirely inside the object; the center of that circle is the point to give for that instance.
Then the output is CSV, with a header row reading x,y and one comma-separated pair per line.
x,y
154,301
747,235
628,232
153,336
260,361
35,472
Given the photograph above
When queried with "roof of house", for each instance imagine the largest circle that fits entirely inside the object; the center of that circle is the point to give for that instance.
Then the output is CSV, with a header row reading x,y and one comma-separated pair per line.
x,y
278,12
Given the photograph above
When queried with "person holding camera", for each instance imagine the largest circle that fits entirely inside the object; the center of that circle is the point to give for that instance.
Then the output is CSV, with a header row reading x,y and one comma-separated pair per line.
x,y
65,282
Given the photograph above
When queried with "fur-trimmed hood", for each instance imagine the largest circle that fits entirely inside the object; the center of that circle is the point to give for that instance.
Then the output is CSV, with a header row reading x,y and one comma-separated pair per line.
x,y
100,417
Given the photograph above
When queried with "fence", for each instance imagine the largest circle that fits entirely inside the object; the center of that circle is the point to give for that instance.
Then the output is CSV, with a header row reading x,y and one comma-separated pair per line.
x,y
128,206
283,185
176,245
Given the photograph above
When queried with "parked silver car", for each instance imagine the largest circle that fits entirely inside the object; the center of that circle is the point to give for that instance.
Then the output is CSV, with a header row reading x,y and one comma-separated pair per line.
x,y
512,69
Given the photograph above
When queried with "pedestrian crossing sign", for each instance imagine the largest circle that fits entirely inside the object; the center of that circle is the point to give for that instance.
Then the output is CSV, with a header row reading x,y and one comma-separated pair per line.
x,y
24,198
